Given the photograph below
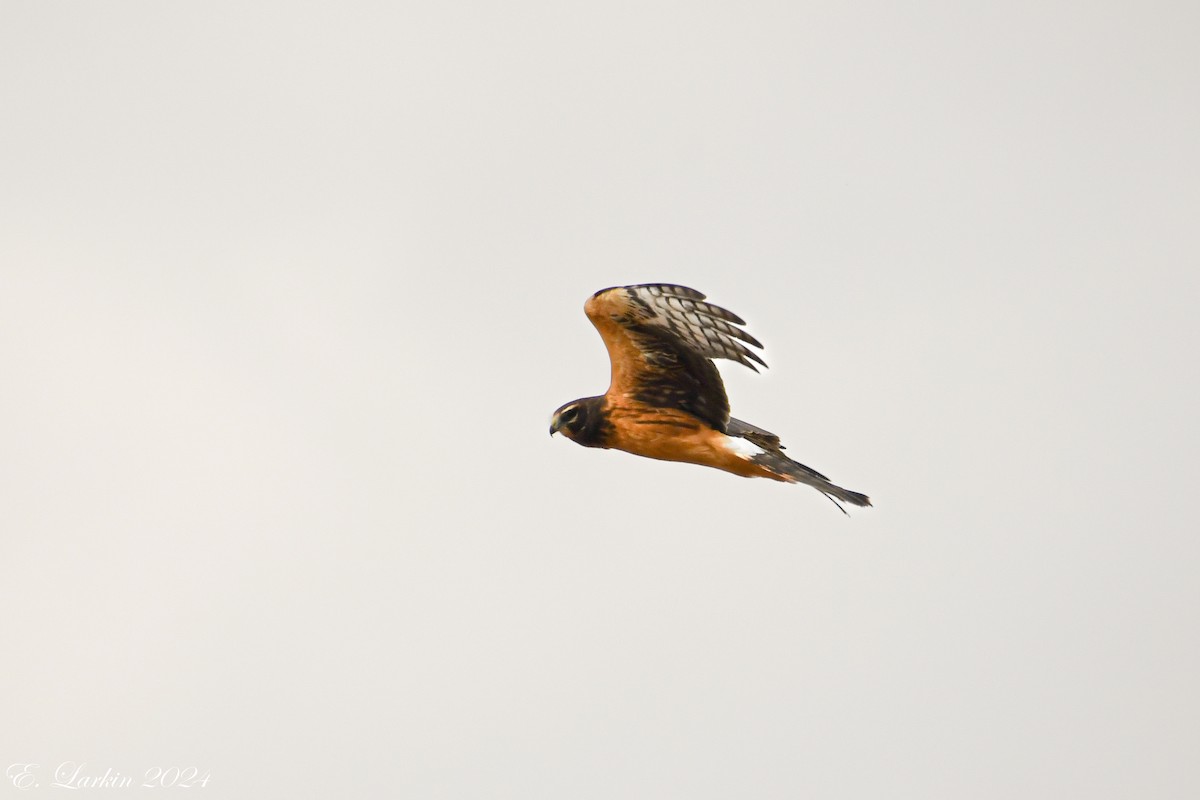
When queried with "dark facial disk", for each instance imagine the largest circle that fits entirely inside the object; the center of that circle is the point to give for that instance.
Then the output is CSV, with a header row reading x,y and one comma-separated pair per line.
x,y
583,421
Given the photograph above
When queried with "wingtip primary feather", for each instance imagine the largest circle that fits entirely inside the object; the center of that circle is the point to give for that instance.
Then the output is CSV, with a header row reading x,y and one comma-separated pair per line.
x,y
707,328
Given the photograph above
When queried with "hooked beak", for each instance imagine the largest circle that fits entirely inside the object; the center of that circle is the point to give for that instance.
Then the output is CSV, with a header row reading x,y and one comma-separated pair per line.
x,y
553,429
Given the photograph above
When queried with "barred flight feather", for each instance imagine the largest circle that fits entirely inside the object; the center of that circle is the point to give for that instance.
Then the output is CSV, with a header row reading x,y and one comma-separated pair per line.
x,y
708,329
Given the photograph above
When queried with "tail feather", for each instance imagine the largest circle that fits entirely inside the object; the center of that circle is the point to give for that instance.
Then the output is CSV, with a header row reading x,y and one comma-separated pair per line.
x,y
795,472
773,459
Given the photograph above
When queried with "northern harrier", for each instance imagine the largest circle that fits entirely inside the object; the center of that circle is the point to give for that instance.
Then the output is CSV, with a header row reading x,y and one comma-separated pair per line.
x,y
666,399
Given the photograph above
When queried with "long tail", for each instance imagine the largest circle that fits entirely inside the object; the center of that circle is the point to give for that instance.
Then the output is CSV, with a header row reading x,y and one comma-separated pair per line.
x,y
774,460
795,472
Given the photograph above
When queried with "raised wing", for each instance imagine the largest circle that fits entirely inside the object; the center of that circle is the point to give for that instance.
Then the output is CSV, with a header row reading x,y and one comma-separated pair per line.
x,y
660,338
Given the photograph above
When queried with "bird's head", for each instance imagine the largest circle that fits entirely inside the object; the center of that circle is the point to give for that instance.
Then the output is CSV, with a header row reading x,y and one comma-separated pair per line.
x,y
582,421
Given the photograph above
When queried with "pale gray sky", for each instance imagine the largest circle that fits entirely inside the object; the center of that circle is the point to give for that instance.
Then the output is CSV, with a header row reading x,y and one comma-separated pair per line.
x,y
289,291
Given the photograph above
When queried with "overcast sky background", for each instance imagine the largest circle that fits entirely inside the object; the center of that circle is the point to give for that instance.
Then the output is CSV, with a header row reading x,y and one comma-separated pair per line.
x,y
289,291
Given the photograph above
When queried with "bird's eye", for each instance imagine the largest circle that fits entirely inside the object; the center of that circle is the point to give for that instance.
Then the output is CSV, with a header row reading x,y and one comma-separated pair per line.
x,y
571,414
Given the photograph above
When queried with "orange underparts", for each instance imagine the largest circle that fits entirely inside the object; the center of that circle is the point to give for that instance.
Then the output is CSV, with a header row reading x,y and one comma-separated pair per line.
x,y
668,434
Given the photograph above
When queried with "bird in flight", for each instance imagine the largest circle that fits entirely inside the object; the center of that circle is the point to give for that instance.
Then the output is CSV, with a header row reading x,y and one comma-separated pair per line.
x,y
666,399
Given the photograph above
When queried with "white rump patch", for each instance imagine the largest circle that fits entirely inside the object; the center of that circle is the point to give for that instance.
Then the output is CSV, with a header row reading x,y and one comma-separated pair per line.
x,y
742,447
